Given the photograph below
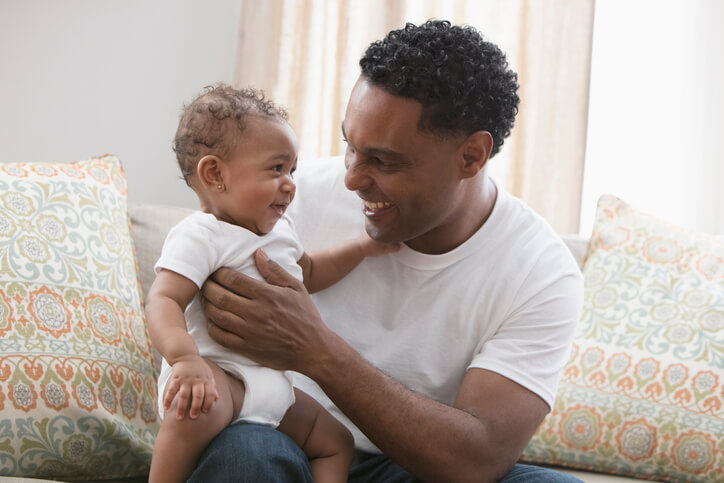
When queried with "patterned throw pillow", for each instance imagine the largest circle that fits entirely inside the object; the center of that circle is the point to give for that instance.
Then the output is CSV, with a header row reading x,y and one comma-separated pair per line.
x,y
643,392
77,387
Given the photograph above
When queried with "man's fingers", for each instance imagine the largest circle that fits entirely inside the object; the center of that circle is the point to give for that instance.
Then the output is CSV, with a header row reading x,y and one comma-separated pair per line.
x,y
222,318
225,337
273,272
225,279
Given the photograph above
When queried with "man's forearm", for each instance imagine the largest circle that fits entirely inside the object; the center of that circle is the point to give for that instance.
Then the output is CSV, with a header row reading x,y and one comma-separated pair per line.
x,y
433,441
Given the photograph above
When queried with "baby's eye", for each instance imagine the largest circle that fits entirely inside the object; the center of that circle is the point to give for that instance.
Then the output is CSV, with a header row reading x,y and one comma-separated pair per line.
x,y
278,168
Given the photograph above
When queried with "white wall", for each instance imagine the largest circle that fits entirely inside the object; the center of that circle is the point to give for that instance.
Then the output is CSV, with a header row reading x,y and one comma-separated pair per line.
x,y
86,77
656,118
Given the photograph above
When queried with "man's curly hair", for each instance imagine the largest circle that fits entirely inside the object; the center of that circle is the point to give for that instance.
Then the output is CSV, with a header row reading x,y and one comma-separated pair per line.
x,y
463,82
212,122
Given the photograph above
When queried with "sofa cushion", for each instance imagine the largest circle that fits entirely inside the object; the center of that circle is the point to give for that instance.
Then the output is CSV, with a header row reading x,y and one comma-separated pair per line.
x,y
643,392
577,245
77,384
150,223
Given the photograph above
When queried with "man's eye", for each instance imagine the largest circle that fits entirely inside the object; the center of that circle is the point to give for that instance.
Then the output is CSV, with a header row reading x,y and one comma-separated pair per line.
x,y
379,162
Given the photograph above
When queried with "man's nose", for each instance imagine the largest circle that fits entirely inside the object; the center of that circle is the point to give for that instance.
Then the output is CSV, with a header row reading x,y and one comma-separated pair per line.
x,y
356,178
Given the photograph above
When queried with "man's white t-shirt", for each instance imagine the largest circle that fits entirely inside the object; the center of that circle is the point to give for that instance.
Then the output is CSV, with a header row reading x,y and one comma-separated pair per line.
x,y
506,300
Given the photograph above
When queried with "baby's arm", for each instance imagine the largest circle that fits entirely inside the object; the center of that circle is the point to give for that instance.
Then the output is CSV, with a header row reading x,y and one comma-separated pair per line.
x,y
324,268
191,379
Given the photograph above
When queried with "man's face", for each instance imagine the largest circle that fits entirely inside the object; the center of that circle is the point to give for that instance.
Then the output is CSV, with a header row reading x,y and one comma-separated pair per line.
x,y
407,179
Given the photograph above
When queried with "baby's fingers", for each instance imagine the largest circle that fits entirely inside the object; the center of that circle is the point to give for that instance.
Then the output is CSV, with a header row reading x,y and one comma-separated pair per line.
x,y
182,401
197,399
171,391
390,247
211,396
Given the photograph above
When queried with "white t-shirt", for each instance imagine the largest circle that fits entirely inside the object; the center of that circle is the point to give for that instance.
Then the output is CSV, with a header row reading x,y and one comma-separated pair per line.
x,y
195,248
506,300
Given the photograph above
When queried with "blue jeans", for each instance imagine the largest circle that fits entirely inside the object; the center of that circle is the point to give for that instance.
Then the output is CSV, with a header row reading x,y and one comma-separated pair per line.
x,y
246,452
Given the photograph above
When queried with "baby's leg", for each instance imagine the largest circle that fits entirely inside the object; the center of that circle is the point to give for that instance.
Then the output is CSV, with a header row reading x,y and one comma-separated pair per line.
x,y
326,442
180,442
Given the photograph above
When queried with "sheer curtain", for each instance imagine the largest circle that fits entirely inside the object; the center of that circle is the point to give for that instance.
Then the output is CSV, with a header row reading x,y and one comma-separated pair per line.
x,y
305,53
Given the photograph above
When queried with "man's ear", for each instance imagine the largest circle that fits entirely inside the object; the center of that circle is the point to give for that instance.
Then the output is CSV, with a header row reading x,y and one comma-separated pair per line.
x,y
210,172
475,152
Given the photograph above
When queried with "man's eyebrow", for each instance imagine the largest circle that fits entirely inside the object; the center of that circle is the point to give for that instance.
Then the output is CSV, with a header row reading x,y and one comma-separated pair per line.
x,y
387,153
379,151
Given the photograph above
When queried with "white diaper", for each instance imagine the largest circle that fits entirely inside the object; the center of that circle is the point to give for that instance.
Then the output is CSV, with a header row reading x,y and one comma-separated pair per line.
x,y
268,392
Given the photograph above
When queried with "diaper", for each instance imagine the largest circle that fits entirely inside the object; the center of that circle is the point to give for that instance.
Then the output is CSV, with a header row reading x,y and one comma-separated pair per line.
x,y
268,392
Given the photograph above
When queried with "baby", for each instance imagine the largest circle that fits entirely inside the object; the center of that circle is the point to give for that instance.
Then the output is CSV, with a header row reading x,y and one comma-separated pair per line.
x,y
238,153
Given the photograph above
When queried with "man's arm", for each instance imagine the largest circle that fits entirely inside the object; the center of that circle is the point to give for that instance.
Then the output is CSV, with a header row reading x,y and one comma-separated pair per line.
x,y
479,438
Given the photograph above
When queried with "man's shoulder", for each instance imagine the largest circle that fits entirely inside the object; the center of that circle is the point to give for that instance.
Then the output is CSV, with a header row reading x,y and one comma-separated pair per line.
x,y
324,210
522,234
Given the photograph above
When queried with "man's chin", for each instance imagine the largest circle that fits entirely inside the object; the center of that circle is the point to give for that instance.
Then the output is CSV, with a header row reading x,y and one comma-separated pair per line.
x,y
381,235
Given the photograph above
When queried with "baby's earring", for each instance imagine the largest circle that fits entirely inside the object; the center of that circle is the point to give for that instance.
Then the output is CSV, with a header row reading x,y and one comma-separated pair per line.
x,y
220,187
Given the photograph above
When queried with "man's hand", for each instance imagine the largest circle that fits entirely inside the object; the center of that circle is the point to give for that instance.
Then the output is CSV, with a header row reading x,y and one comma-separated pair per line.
x,y
192,382
274,323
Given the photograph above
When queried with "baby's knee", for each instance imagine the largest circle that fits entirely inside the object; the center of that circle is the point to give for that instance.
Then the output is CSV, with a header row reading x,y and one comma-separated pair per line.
x,y
206,425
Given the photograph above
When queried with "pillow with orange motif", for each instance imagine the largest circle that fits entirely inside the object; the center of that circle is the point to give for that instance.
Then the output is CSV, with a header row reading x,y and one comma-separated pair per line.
x,y
643,393
77,382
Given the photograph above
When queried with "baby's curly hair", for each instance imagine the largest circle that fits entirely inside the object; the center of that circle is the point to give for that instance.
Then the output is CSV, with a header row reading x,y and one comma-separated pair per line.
x,y
211,123
463,82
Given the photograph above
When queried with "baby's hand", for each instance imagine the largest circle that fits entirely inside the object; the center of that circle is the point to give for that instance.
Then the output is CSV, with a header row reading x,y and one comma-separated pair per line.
x,y
191,382
373,248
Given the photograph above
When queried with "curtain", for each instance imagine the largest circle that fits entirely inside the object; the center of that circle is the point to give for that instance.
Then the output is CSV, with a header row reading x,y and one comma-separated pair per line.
x,y
304,54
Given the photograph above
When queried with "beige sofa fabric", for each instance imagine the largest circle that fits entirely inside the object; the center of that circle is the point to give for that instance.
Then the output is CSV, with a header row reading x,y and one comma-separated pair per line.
x,y
149,225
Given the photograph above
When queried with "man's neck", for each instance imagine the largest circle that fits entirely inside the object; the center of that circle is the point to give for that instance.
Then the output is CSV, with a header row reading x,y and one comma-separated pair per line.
x,y
474,209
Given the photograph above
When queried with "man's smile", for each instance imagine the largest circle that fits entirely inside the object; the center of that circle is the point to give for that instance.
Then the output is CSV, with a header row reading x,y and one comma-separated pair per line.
x,y
374,207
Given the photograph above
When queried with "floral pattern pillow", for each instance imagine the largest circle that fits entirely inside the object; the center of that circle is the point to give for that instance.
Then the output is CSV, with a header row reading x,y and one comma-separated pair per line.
x,y
77,382
643,392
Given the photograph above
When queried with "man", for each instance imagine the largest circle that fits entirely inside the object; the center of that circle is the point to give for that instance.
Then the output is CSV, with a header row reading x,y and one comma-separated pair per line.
x,y
442,358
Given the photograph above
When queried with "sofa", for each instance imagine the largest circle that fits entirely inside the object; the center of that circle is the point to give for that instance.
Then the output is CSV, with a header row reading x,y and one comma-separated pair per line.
x,y
151,222
640,398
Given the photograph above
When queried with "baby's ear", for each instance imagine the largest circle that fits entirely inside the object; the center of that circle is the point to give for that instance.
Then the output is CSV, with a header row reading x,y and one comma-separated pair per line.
x,y
209,172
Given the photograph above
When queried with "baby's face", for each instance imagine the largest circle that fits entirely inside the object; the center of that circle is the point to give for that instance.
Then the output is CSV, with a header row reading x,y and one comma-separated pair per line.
x,y
258,179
